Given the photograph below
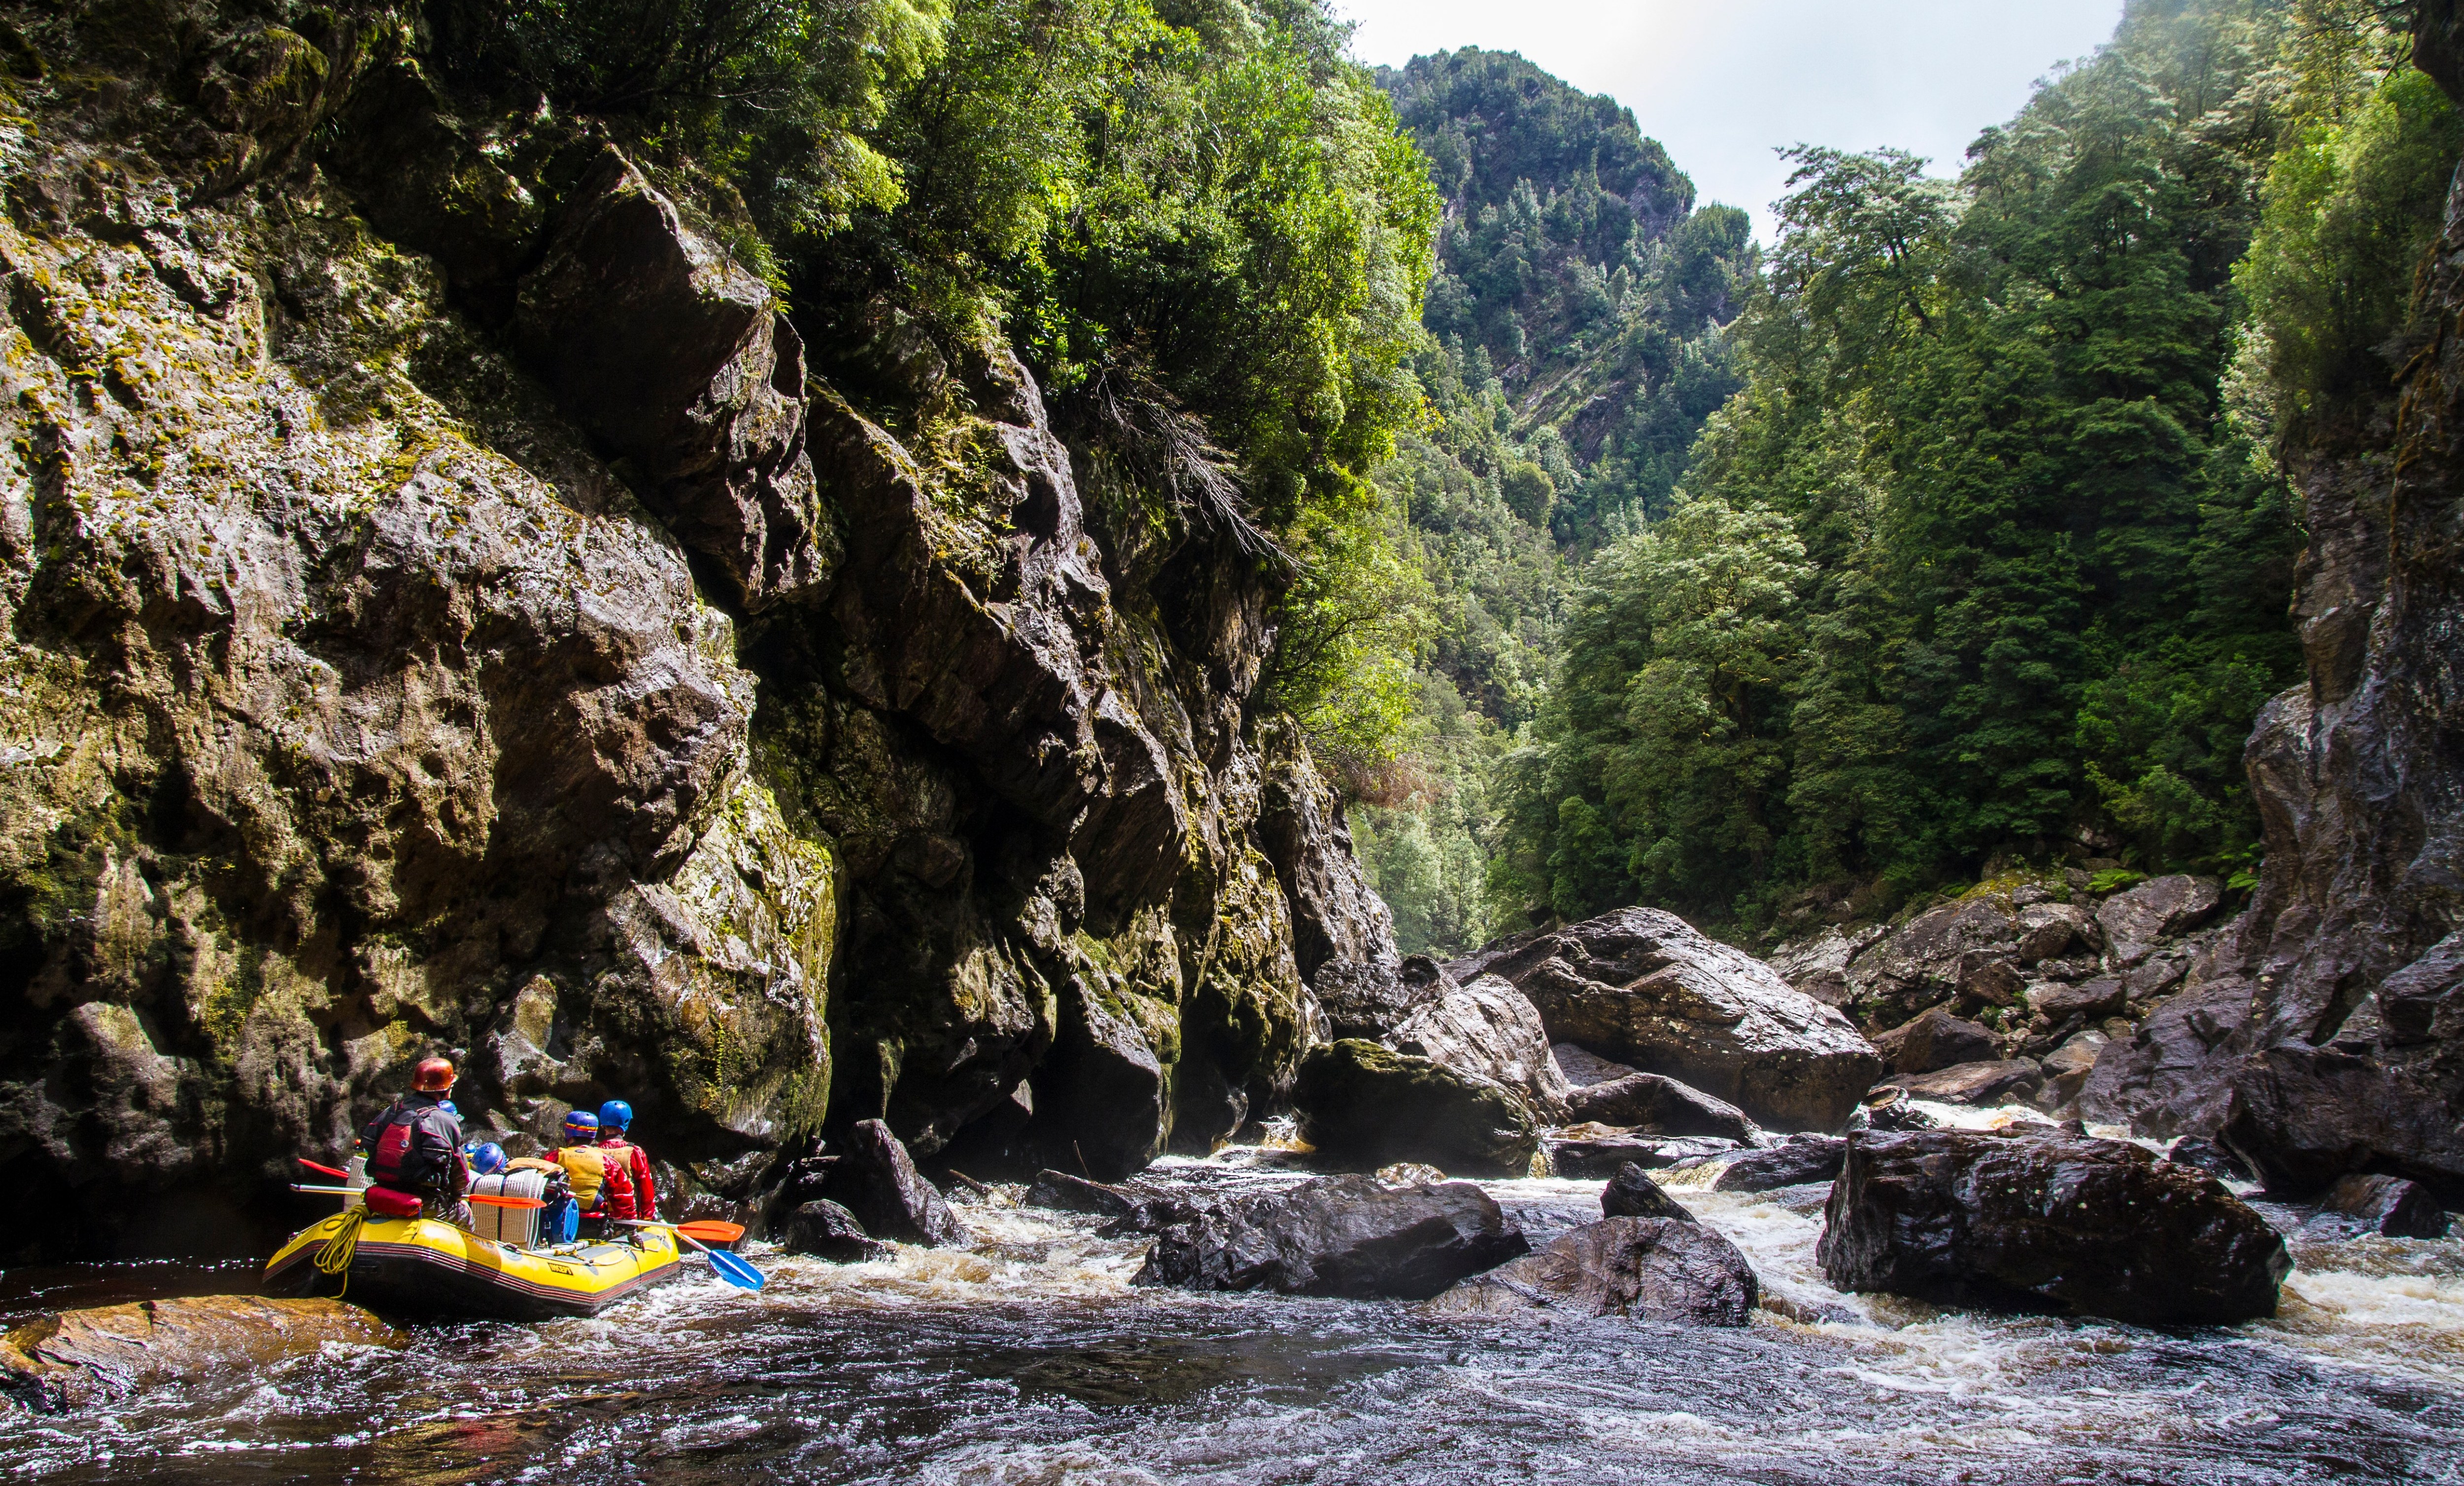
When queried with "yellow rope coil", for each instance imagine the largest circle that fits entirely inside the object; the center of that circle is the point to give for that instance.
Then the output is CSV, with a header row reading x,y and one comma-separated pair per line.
x,y
335,1257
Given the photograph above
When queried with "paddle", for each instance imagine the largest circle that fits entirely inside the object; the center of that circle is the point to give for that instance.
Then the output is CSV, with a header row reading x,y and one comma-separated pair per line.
x,y
321,1171
735,1271
481,1198
712,1231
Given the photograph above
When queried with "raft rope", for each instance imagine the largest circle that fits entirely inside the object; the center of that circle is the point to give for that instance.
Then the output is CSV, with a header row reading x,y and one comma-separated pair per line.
x,y
335,1257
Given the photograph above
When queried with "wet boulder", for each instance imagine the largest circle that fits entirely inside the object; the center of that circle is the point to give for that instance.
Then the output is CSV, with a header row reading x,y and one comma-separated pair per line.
x,y
1658,1106
1339,1235
1805,1158
1368,1106
2208,1156
1589,1152
828,1231
1646,988
1631,1194
1935,1039
1657,1269
2388,1206
2066,1069
2047,1223
1887,1106
874,1178
2171,1066
2090,1000
1369,998
1933,957
78,1357
1491,1028
1131,1207
1991,1081
2300,1117
1584,1068
2163,909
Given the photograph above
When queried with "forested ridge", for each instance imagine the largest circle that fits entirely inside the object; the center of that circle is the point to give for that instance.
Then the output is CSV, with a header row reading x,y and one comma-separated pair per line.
x,y
1983,556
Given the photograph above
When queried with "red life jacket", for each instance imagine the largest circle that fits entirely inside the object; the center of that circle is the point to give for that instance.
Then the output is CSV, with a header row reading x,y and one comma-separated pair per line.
x,y
640,1198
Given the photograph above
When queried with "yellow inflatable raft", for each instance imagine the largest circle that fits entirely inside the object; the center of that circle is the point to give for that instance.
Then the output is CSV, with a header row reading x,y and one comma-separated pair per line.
x,y
419,1264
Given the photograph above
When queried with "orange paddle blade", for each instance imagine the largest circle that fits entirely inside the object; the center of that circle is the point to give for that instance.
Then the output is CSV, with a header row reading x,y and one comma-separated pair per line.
x,y
506,1201
712,1231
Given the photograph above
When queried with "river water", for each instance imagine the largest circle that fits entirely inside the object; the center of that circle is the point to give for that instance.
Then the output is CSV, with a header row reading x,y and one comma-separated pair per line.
x,y
1032,1360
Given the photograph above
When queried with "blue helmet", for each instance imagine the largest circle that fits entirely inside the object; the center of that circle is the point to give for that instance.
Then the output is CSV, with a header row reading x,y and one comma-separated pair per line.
x,y
448,1106
582,1124
486,1157
615,1115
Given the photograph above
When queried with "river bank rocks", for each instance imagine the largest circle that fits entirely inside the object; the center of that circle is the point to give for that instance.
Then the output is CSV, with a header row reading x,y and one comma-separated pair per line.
x,y
78,1357
1631,1194
483,617
1365,1106
2045,1222
1339,1235
1801,1159
872,1179
1658,1269
1644,987
1657,1106
826,1231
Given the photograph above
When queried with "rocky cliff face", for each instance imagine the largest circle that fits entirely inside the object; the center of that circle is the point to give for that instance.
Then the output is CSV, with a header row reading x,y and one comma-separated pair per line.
x,y
2322,1030
451,604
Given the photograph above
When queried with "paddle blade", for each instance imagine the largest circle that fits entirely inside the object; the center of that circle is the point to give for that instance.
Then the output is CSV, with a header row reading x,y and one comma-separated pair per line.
x,y
735,1271
486,1201
321,1171
712,1231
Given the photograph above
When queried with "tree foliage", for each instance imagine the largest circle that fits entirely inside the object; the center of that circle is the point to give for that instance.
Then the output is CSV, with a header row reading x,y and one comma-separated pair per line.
x,y
2002,554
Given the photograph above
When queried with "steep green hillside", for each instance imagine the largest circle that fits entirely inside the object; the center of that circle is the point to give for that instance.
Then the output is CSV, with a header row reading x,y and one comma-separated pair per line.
x,y
1575,350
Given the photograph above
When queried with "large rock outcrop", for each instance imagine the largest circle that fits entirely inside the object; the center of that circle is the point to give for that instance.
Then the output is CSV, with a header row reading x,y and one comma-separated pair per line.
x,y
453,605
1643,987
2037,1222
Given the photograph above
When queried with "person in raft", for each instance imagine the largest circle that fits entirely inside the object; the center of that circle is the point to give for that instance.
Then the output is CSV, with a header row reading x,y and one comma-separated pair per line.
x,y
600,1183
643,1201
415,1151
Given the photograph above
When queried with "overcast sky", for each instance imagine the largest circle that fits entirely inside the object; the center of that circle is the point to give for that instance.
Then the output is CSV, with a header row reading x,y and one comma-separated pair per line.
x,y
1723,83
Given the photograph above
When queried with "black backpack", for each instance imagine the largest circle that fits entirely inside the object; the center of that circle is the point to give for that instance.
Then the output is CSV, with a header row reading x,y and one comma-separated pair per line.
x,y
412,1146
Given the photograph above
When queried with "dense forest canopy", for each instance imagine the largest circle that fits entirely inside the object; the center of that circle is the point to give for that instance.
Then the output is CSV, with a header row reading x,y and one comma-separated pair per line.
x,y
1984,557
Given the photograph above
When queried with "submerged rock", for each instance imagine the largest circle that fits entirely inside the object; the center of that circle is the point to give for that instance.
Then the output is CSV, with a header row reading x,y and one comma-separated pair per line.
x,y
1339,1235
828,1231
1804,1158
1645,986
1631,1194
2031,1222
874,1179
75,1357
1658,1106
1661,1269
1369,1106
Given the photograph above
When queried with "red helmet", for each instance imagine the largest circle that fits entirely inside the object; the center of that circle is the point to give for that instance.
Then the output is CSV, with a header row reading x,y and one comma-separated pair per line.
x,y
432,1075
